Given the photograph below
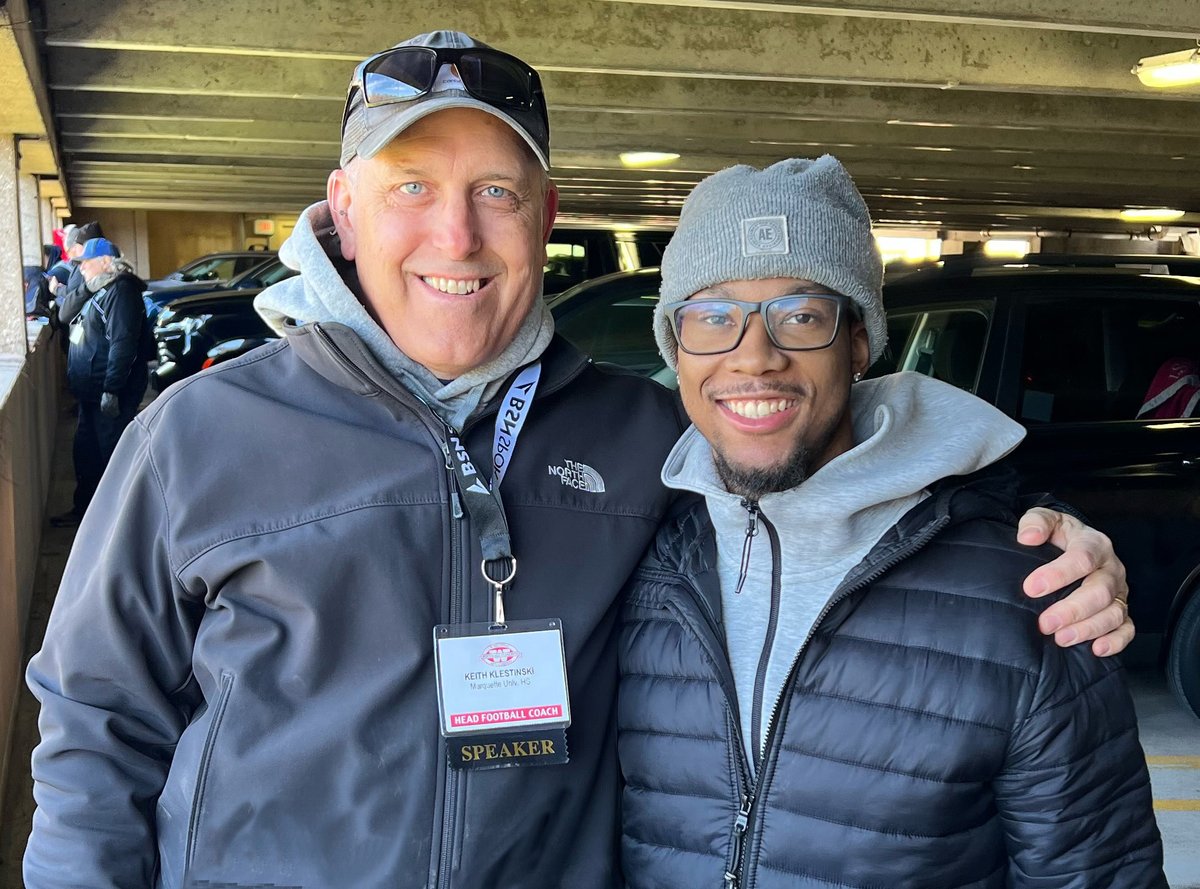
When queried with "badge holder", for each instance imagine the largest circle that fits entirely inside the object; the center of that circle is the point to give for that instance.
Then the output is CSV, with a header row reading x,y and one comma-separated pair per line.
x,y
502,688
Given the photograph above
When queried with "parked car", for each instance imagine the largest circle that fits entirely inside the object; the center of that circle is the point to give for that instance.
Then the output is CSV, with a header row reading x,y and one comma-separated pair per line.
x,y
1071,347
578,253
264,273
196,332
608,318
215,268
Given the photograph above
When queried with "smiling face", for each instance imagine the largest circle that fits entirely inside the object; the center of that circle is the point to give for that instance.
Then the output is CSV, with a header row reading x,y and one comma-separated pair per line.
x,y
772,417
447,227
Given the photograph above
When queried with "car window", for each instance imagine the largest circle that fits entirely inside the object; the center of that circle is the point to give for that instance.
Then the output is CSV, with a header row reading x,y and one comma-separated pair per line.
x,y
1087,361
616,328
946,344
219,268
277,271
899,327
566,264
243,263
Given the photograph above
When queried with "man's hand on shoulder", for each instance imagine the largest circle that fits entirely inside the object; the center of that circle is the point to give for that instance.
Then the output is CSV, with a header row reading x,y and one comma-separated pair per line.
x,y
1097,610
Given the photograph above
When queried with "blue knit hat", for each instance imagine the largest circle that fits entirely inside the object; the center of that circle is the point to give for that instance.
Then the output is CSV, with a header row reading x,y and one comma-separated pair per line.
x,y
798,218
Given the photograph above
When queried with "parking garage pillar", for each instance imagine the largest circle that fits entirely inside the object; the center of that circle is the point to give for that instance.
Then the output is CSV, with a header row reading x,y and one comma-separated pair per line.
x,y
13,341
31,224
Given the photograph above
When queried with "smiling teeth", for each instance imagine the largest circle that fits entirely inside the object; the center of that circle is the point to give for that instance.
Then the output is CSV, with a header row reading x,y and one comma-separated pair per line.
x,y
451,285
755,409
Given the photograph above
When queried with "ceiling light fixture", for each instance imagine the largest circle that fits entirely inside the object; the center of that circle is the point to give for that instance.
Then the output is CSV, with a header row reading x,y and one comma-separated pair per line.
x,y
1149,214
647,158
1170,69
1006,248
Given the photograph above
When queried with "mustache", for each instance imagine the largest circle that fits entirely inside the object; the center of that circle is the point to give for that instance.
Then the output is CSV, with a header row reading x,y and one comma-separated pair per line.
x,y
757,390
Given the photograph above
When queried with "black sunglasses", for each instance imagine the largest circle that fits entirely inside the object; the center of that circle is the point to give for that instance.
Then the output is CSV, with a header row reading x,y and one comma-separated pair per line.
x,y
405,73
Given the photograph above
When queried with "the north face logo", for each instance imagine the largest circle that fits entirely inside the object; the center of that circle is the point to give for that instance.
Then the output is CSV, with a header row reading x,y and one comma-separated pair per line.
x,y
579,476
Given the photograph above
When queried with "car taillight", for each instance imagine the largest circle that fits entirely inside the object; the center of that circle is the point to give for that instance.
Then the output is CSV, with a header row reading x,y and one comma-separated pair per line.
x,y
208,362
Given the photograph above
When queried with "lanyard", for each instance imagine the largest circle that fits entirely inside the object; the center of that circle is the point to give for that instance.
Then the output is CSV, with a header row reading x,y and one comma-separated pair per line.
x,y
481,500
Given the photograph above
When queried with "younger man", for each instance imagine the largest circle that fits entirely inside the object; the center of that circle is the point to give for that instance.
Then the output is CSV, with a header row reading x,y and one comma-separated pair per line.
x,y
830,675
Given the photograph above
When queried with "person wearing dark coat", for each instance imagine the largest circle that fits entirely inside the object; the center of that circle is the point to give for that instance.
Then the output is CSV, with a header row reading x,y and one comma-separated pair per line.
x,y
106,365
830,675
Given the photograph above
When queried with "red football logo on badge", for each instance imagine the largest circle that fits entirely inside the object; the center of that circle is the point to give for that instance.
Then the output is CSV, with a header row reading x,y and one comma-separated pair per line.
x,y
499,653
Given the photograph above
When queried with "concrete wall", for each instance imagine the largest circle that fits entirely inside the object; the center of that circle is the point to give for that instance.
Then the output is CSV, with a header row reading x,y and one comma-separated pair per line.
x,y
29,392
125,228
178,237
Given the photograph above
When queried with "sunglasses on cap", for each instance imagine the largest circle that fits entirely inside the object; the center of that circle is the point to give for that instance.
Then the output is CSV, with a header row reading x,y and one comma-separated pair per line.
x,y
405,73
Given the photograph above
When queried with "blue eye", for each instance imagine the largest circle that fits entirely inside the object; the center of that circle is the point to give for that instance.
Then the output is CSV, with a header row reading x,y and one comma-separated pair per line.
x,y
412,188
495,191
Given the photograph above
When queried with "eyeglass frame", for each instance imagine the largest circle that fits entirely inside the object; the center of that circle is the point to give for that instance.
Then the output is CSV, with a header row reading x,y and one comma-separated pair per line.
x,y
444,55
759,308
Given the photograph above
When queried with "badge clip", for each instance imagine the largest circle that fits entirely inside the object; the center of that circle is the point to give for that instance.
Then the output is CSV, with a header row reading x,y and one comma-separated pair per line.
x,y
498,619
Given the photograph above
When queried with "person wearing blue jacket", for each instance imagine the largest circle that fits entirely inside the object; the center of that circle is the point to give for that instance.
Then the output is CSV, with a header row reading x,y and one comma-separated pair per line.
x,y
830,676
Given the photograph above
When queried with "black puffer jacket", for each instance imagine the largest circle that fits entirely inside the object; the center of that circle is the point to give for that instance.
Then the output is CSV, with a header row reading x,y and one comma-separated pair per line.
x,y
110,340
237,681
928,735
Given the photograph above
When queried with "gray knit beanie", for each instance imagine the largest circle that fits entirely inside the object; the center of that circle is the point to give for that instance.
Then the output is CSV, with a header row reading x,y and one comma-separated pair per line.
x,y
798,218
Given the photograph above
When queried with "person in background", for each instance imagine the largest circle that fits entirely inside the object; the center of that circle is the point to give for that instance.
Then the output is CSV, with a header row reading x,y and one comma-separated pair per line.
x,y
106,365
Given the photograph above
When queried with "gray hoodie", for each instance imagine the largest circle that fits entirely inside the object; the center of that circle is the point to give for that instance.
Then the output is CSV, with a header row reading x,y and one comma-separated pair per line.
x,y
325,291
909,431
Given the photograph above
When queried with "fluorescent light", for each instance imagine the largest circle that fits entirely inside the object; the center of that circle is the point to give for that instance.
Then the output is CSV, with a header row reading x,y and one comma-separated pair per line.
x,y
1008,248
1170,69
647,158
914,249
1149,214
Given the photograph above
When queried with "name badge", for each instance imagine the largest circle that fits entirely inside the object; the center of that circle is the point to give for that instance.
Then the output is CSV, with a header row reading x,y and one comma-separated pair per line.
x,y
503,698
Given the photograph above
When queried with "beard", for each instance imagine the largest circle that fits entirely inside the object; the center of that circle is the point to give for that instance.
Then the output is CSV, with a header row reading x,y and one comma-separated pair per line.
x,y
753,482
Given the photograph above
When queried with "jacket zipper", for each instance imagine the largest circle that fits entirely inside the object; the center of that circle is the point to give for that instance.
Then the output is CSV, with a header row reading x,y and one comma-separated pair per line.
x,y
210,740
457,532
739,874
764,660
457,548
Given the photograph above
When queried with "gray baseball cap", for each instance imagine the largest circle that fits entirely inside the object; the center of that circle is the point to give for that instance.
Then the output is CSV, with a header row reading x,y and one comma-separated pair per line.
x,y
366,130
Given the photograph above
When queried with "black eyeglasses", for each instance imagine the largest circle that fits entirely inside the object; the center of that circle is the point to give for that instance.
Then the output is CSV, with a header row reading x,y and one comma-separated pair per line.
x,y
404,73
795,322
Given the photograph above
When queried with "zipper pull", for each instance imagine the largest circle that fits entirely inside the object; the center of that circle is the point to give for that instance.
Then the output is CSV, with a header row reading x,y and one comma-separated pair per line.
x,y
446,454
750,506
733,875
455,505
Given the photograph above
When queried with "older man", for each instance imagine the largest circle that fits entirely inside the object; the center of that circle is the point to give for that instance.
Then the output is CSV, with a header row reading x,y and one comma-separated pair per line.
x,y
325,633
830,676
106,365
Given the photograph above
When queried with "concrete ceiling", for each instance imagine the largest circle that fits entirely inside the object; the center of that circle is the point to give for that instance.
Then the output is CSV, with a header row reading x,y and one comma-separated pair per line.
x,y
973,114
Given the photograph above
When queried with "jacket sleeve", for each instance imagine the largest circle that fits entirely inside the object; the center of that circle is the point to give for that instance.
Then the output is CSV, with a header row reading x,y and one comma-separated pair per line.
x,y
72,301
1074,796
123,326
115,686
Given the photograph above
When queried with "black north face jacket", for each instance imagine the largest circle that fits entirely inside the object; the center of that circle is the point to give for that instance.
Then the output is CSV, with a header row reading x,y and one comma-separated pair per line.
x,y
237,682
927,736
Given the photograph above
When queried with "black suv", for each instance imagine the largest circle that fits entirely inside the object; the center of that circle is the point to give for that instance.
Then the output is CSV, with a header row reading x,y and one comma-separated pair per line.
x,y
1098,356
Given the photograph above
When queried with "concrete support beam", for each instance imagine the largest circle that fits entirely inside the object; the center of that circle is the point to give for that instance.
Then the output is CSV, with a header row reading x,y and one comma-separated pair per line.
x,y
13,337
688,42
1165,18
